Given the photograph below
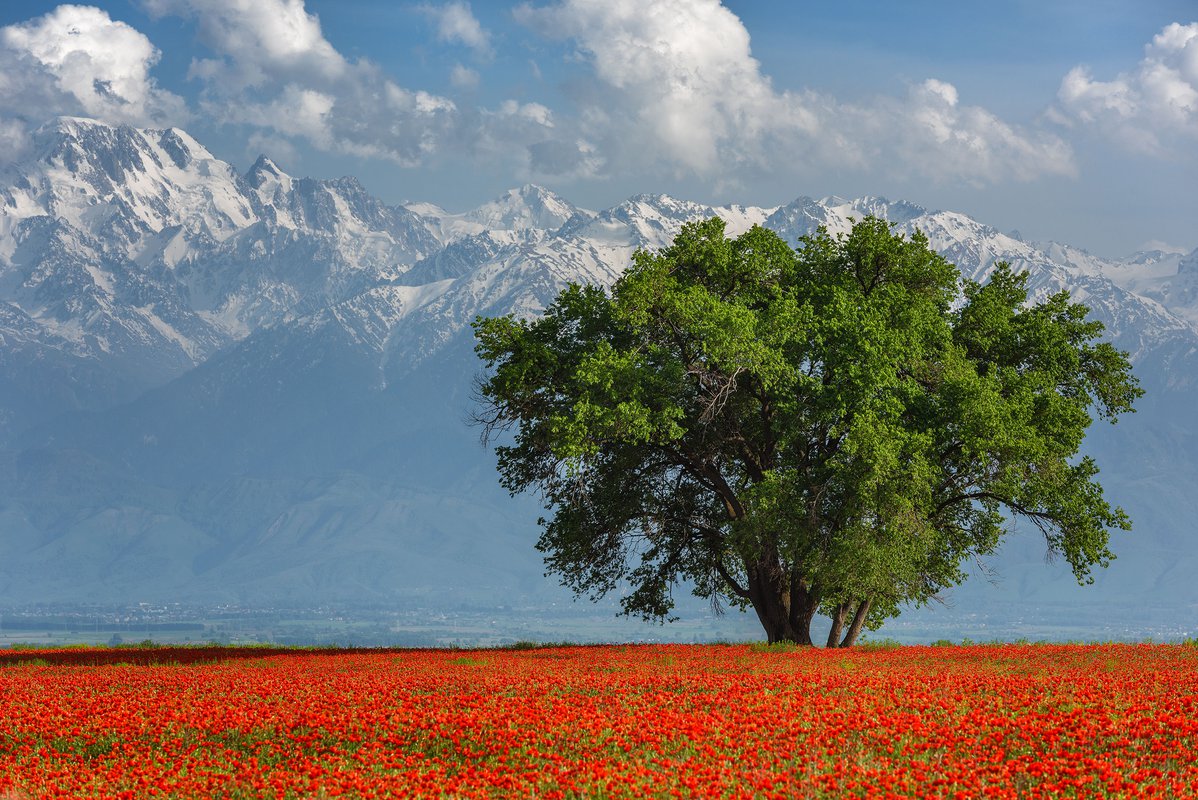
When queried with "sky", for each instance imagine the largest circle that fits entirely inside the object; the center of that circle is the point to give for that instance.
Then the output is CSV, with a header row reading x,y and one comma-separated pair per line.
x,y
1075,121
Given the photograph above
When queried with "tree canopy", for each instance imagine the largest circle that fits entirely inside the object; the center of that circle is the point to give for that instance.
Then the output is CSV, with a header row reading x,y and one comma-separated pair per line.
x,y
836,428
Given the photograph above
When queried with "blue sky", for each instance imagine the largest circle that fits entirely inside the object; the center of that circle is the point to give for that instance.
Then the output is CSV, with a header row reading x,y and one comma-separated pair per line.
x,y
1076,121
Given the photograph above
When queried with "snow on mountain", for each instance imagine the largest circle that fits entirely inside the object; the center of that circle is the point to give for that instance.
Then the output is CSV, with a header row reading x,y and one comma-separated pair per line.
x,y
1168,278
368,234
652,221
141,251
210,377
464,254
73,222
528,208
124,184
803,216
1138,322
521,271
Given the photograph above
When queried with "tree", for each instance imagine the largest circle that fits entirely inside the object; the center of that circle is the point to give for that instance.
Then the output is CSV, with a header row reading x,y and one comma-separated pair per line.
x,y
837,428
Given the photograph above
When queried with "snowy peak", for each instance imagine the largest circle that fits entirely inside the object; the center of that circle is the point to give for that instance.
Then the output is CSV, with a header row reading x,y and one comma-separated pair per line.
x,y
652,220
137,247
1169,278
646,220
267,180
896,211
79,143
1073,257
134,243
366,230
805,215
264,169
971,244
102,177
1150,258
529,207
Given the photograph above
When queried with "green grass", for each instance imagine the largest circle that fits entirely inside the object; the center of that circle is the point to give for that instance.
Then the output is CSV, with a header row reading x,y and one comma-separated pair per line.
x,y
877,644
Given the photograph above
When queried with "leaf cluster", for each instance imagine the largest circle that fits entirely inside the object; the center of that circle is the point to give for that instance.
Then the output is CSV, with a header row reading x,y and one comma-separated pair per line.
x,y
850,411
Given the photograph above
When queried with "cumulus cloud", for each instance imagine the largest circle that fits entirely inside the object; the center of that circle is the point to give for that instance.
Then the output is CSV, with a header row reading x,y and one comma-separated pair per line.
x,y
78,60
676,83
14,139
669,86
260,40
276,71
1151,109
681,73
463,77
932,134
456,23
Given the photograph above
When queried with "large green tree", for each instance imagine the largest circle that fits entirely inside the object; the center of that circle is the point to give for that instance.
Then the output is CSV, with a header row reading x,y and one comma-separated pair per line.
x,y
836,428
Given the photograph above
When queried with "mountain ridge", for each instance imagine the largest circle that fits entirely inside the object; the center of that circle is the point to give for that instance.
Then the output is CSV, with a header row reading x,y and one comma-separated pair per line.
x,y
215,397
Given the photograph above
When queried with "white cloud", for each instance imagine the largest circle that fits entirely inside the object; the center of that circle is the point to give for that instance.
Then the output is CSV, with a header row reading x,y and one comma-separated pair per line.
x,y
14,139
261,40
463,77
281,151
932,134
276,71
675,82
1151,109
681,73
456,23
77,60
671,86
516,133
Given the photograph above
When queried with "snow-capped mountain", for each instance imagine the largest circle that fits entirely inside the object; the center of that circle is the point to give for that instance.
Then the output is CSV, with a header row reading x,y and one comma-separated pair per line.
x,y
528,208
125,185
255,387
1138,322
139,251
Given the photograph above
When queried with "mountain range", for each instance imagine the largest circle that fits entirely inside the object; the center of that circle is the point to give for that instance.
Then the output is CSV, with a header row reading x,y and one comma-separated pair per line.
x,y
255,388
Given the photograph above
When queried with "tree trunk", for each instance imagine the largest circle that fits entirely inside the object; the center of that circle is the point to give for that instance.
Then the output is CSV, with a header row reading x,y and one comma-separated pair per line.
x,y
783,604
858,622
842,611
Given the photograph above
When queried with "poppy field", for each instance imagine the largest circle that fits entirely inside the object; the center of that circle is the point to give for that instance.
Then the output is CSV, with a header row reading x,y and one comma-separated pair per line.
x,y
729,721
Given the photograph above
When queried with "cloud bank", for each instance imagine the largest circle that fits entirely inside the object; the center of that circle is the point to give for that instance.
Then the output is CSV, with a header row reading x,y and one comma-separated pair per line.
x,y
664,87
676,84
1152,109
275,71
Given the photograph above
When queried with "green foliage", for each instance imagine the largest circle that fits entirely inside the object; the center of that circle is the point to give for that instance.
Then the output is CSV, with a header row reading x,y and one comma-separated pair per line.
x,y
773,647
885,643
467,661
798,430
527,644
